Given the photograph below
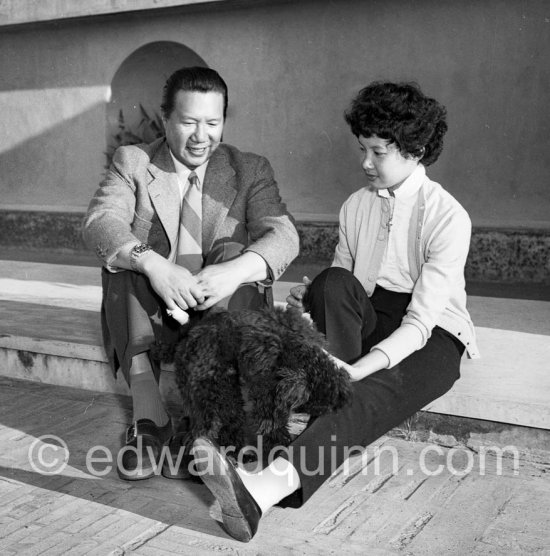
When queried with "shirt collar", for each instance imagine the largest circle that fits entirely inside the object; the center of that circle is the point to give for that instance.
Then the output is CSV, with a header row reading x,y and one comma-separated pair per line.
x,y
183,171
409,187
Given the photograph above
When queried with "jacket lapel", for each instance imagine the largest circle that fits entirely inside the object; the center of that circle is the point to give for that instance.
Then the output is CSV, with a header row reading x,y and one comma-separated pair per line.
x,y
164,192
219,191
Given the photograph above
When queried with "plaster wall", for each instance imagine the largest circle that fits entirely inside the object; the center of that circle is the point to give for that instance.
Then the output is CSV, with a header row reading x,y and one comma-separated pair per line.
x,y
292,69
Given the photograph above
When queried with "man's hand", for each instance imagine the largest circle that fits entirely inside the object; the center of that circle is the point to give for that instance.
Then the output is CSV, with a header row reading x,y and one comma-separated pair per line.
x,y
297,294
217,281
221,280
174,284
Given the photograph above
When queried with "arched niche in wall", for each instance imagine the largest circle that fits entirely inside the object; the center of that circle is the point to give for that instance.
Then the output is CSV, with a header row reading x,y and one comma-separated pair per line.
x,y
137,85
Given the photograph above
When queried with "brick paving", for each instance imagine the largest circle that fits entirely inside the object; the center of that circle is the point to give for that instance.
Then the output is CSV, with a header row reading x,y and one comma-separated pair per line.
x,y
414,499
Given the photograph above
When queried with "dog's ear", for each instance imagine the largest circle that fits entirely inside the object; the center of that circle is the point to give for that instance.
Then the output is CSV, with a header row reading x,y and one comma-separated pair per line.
x,y
292,389
330,386
341,388
304,328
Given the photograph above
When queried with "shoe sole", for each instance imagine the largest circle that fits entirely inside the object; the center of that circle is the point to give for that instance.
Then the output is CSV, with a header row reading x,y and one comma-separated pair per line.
x,y
136,477
220,485
140,473
167,473
171,467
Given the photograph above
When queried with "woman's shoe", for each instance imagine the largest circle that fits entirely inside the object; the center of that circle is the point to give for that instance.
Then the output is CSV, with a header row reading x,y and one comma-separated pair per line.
x,y
138,459
240,512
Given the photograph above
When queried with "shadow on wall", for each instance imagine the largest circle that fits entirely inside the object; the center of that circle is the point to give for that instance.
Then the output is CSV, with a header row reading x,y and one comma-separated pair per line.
x,y
136,91
54,155
61,163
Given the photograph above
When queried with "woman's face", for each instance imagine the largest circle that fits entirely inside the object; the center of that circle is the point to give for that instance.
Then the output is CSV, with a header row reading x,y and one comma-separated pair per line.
x,y
383,163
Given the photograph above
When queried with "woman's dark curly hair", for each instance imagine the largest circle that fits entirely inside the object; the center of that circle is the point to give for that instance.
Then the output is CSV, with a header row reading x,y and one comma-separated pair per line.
x,y
401,114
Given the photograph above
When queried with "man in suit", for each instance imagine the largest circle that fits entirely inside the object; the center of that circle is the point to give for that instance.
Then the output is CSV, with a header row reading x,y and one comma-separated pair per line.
x,y
185,223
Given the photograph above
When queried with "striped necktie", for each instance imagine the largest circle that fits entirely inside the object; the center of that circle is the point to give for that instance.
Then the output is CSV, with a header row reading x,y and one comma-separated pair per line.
x,y
189,252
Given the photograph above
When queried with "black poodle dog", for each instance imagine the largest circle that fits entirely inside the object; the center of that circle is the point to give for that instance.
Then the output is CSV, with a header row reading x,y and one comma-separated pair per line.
x,y
242,373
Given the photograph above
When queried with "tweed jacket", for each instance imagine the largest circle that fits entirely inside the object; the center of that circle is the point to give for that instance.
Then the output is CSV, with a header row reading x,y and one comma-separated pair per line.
x,y
139,200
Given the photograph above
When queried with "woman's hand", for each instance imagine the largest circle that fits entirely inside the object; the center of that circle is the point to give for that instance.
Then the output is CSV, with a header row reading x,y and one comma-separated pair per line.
x,y
297,294
343,365
369,364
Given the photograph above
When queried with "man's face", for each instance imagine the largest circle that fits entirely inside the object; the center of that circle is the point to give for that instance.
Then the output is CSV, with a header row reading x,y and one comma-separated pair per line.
x,y
383,163
195,126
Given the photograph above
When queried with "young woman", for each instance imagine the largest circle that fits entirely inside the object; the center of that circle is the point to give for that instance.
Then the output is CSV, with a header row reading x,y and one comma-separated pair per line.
x,y
392,305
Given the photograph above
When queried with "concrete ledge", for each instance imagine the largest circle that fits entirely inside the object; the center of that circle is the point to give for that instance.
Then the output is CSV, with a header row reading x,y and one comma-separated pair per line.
x,y
17,12
51,333
54,347
55,369
510,384
500,255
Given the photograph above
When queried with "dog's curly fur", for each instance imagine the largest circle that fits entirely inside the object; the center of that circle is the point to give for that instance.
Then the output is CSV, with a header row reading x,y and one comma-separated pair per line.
x,y
274,357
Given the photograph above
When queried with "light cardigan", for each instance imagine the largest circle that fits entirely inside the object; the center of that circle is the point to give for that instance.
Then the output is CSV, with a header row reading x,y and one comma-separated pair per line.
x,y
438,243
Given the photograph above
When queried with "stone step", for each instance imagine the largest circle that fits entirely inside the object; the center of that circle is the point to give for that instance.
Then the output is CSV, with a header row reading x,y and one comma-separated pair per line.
x,y
60,494
50,332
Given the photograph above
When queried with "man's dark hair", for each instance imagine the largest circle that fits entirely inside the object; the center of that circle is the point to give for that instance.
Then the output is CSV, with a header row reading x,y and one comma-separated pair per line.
x,y
198,79
401,114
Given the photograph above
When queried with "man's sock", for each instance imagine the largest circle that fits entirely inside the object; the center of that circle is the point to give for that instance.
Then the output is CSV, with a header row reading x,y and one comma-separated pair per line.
x,y
146,398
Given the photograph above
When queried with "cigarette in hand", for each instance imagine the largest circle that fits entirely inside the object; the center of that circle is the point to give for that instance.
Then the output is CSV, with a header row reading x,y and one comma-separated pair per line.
x,y
178,314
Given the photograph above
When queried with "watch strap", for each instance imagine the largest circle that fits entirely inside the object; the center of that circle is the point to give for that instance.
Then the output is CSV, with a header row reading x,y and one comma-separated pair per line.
x,y
136,252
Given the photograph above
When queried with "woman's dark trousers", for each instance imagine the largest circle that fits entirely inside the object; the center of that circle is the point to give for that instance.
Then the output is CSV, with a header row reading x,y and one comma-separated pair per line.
x,y
353,323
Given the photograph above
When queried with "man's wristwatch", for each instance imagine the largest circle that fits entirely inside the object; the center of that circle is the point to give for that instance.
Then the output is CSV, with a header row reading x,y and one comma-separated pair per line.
x,y
136,252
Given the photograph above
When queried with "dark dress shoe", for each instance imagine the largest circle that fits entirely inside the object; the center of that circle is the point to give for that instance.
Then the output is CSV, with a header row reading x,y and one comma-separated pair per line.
x,y
141,453
177,461
240,512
